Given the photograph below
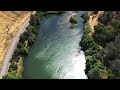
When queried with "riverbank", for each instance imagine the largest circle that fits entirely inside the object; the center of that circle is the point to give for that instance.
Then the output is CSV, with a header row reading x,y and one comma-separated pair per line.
x,y
94,66
101,47
26,41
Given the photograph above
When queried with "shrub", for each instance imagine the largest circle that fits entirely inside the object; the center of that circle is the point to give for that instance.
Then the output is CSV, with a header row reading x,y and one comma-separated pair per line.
x,y
73,19
87,28
86,42
71,26
85,17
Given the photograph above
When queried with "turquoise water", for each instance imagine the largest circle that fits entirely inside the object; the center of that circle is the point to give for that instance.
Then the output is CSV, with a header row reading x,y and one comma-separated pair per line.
x,y
56,52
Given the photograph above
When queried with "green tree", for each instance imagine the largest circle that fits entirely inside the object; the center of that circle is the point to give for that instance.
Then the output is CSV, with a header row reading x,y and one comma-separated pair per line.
x,y
87,28
85,16
17,51
115,65
103,34
24,51
94,73
73,19
31,29
12,75
116,24
13,66
31,39
105,18
35,19
112,51
99,28
86,42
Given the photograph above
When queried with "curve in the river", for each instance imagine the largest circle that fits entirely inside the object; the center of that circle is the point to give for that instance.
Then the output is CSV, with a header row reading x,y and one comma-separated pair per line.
x,y
56,52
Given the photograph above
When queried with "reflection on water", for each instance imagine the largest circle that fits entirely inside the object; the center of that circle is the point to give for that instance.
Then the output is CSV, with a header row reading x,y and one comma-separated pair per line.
x,y
56,53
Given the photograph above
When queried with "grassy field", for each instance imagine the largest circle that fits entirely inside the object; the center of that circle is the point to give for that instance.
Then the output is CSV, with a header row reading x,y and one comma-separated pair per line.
x,y
10,21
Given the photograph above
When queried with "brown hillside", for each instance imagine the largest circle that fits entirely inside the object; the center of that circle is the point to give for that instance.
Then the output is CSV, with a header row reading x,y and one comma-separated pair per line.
x,y
10,21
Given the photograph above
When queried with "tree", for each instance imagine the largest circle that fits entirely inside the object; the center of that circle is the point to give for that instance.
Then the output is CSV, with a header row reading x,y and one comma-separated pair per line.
x,y
116,24
35,19
105,19
115,65
103,34
99,28
13,66
73,19
72,26
10,75
94,73
87,28
23,36
31,29
24,51
85,16
112,51
20,65
17,51
86,42
88,67
31,39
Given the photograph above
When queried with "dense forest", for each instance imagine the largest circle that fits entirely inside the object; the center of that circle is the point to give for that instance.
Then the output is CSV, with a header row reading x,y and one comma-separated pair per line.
x,y
102,48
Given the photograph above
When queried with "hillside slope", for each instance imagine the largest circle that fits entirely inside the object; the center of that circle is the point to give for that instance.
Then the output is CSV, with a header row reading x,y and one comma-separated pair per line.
x,y
9,25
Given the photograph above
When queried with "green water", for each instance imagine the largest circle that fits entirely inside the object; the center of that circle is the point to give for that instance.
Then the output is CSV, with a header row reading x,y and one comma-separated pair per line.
x,y
56,52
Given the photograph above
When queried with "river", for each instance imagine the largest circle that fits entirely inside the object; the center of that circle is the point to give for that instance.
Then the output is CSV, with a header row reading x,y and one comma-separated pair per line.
x,y
56,52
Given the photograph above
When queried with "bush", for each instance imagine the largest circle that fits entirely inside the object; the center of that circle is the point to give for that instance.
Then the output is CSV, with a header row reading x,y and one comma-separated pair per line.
x,y
31,29
31,39
24,51
35,19
71,26
20,65
99,28
86,42
17,51
13,66
87,28
116,24
94,73
104,19
103,34
23,37
85,17
112,53
73,19
12,75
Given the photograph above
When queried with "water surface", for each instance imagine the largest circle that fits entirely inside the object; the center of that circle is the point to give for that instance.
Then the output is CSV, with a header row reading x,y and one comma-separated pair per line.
x,y
56,52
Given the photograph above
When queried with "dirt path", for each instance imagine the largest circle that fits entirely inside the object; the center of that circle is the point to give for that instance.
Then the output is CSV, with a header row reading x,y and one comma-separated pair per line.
x,y
93,21
10,22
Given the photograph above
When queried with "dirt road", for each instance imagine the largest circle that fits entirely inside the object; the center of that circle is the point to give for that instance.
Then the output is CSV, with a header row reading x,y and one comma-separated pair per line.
x,y
12,47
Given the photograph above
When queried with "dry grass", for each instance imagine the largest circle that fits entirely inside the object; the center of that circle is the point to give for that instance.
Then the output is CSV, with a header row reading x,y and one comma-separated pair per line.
x,y
10,21
94,21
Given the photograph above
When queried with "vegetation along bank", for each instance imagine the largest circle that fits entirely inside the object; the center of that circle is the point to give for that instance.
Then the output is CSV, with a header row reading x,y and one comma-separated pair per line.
x,y
102,47
26,41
